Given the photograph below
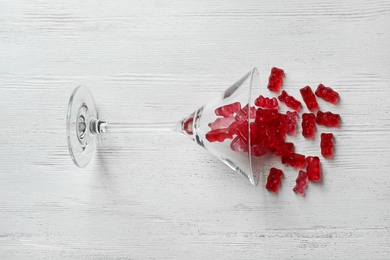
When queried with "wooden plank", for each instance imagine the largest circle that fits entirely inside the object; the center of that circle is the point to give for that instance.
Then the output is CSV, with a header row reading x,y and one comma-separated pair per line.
x,y
163,196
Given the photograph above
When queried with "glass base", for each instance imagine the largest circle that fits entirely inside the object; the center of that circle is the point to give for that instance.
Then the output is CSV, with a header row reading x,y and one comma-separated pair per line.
x,y
81,119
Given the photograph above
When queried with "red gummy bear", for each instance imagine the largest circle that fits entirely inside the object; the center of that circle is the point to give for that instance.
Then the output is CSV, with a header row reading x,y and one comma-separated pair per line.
x,y
242,132
309,98
294,159
268,133
276,131
242,115
222,122
187,125
258,150
308,125
301,183
228,110
327,146
266,102
284,148
266,115
291,124
220,135
238,145
328,119
275,80
290,101
273,180
257,147
327,94
313,168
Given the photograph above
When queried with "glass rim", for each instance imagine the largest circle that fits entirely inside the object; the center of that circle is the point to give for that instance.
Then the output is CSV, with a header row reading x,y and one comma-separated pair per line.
x,y
254,179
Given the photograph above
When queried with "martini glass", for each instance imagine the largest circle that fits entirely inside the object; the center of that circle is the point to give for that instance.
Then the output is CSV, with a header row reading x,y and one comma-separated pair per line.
x,y
84,127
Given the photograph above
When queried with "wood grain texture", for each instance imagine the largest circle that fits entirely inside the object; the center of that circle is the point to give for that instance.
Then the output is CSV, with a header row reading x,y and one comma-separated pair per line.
x,y
159,61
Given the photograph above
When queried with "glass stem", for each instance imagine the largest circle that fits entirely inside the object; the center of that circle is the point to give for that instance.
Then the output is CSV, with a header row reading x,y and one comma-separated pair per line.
x,y
103,126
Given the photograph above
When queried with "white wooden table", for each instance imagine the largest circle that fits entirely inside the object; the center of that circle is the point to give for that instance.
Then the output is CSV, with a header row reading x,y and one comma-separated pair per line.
x,y
165,197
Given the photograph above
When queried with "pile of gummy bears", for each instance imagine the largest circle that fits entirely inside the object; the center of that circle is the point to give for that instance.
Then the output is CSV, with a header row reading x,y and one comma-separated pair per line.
x,y
267,128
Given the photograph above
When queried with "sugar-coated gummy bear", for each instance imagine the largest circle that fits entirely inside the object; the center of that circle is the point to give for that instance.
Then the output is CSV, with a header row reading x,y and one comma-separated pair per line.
x,y
301,183
275,80
294,159
327,146
228,110
273,179
313,168
308,125
290,101
327,94
328,119
309,98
